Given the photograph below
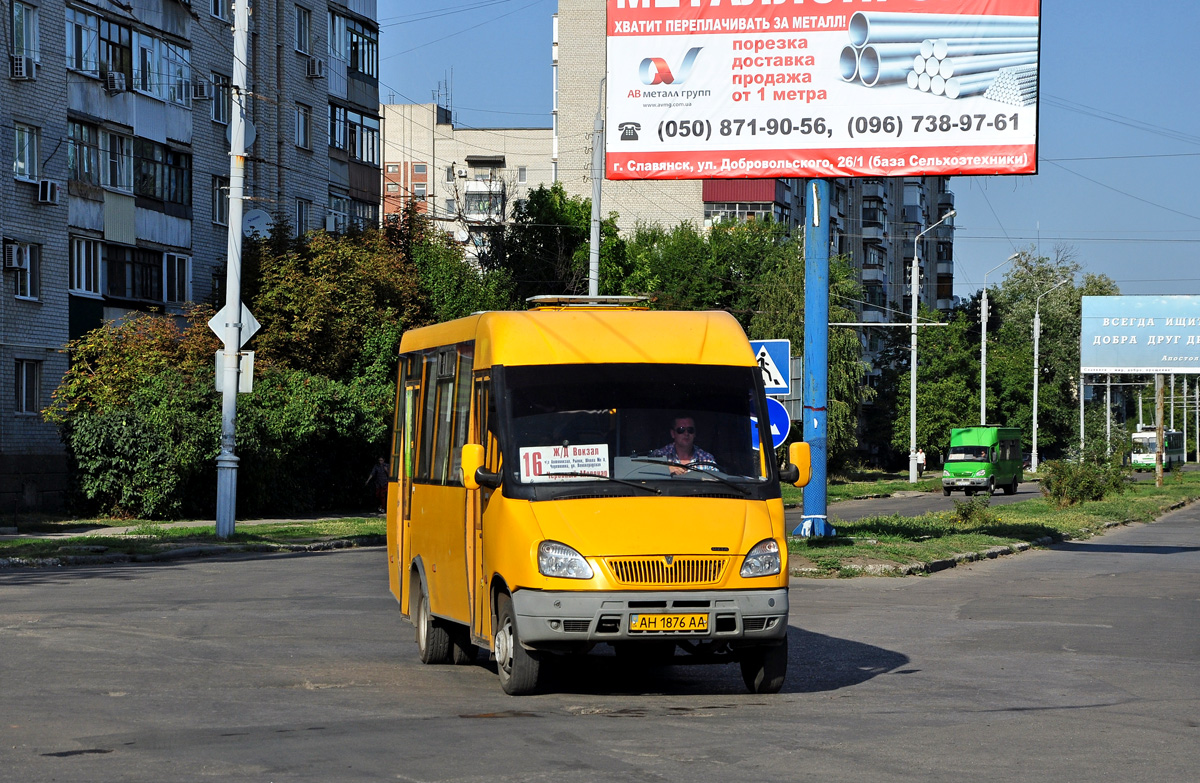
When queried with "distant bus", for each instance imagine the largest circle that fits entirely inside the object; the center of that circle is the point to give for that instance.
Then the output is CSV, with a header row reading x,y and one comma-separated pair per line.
x,y
1145,444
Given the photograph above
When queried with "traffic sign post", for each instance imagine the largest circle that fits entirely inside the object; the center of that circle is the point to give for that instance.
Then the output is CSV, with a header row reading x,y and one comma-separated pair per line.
x,y
774,358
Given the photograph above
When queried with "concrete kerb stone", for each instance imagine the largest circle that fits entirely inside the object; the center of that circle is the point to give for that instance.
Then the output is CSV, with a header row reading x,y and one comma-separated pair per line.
x,y
93,557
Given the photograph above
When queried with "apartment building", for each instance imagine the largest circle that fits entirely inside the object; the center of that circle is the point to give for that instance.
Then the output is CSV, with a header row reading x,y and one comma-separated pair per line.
x,y
466,179
115,118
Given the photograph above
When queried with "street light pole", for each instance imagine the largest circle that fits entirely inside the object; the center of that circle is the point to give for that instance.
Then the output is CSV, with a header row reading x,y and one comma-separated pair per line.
x,y
983,319
912,355
1037,336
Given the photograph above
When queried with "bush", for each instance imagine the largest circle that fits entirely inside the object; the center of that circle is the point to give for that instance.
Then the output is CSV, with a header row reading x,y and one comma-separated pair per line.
x,y
1065,483
974,512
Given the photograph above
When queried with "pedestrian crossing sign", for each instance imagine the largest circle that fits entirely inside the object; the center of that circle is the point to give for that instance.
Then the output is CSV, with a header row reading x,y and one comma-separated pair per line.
x,y
774,362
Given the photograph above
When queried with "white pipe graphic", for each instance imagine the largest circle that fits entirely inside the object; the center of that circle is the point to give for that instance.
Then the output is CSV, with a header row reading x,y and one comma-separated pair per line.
x,y
872,28
963,66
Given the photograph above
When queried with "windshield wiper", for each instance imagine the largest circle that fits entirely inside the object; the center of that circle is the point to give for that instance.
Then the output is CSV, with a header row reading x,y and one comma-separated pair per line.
x,y
577,474
696,466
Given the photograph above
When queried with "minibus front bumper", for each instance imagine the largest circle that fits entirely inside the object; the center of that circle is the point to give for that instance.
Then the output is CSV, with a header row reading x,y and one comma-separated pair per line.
x,y
552,618
965,482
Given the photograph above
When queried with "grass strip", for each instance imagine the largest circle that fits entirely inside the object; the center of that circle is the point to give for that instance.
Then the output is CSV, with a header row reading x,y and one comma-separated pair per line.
x,y
895,544
148,539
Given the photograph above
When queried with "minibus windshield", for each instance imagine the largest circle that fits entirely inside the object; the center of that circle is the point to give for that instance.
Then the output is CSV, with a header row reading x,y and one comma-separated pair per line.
x,y
968,454
677,428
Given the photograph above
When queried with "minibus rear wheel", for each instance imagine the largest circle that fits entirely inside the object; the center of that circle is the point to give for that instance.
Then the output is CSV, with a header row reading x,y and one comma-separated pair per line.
x,y
518,668
764,668
433,640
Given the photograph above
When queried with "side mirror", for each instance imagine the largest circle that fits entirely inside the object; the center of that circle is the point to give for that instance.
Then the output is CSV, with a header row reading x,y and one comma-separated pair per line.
x,y
800,457
472,461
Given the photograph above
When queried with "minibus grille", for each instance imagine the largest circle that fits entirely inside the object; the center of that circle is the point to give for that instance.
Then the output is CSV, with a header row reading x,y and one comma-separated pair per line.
x,y
664,570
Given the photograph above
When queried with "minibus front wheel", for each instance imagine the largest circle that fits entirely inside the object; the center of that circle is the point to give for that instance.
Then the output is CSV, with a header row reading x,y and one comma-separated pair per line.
x,y
764,668
518,668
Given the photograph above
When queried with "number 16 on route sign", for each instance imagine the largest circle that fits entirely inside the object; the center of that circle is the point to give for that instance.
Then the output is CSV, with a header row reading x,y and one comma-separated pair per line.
x,y
775,364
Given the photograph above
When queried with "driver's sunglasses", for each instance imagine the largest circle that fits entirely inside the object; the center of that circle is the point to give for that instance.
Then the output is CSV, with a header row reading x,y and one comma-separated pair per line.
x,y
687,430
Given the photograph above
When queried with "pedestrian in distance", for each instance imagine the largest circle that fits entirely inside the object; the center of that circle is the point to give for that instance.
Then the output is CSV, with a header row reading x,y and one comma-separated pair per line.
x,y
378,480
920,462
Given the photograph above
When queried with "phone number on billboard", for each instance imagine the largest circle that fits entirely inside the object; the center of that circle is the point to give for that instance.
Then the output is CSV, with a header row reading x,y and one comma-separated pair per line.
x,y
893,125
703,129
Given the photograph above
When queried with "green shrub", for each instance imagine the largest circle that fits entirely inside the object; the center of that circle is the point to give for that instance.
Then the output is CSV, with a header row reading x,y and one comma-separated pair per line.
x,y
974,512
1066,483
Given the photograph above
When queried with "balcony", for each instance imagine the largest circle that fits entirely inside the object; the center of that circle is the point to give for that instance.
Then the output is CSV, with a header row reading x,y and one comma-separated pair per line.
x,y
873,274
874,188
947,304
945,268
874,234
945,202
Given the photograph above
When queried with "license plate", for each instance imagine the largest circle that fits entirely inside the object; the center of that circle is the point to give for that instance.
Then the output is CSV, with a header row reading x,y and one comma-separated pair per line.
x,y
961,482
670,623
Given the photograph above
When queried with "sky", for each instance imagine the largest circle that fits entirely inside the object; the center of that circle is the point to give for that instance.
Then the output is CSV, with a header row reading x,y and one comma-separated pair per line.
x,y
1118,182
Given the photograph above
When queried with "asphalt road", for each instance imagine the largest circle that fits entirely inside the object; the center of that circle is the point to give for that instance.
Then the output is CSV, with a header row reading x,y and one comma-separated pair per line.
x,y
1077,663
909,504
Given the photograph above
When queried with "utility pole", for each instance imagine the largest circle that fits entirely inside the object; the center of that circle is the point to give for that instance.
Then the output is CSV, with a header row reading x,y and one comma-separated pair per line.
x,y
597,178
227,460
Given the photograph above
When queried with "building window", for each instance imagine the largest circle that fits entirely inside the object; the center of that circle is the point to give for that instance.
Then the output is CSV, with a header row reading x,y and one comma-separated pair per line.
x,y
362,137
451,207
392,187
85,266
220,201
133,273
419,190
83,153
449,173
303,126
28,385
116,50
303,30
220,9
146,77
177,62
522,175
355,43
366,214
162,173
222,103
25,151
177,278
83,30
27,277
393,168
337,127
116,169
303,215
339,210
419,168
25,31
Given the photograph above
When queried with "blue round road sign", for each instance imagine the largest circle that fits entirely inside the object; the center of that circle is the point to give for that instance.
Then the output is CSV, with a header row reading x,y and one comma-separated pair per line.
x,y
781,423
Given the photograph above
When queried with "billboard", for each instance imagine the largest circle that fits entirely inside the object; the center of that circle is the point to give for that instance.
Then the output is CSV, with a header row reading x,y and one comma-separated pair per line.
x,y
1140,334
815,88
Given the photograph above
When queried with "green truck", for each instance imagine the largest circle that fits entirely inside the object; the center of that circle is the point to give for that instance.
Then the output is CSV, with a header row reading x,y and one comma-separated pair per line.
x,y
982,459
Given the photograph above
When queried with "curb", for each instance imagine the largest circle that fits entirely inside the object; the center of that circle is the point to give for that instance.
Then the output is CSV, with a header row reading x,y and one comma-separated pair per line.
x,y
188,552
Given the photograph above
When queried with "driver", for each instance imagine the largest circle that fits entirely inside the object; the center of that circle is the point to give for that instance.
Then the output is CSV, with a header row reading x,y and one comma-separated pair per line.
x,y
683,448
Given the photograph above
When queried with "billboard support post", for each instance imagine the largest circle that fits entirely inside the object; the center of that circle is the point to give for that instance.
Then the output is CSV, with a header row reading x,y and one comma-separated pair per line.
x,y
816,356
1037,336
983,321
912,355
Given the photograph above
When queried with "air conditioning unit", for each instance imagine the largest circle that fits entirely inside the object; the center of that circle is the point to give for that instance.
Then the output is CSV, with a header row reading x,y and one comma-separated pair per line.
x,y
114,81
20,67
333,224
461,172
316,68
16,256
202,90
47,192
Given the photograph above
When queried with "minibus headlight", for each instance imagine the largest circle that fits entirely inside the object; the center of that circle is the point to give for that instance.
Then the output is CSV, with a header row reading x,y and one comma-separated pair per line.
x,y
555,559
762,560
981,471
946,474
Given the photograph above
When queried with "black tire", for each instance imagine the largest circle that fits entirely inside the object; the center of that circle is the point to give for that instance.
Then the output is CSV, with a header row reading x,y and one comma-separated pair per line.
x,y
462,651
433,640
519,669
968,492
946,491
1012,488
765,668
991,487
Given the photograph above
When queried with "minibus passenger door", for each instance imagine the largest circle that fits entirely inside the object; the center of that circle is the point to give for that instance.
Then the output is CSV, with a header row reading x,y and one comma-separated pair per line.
x,y
412,403
477,505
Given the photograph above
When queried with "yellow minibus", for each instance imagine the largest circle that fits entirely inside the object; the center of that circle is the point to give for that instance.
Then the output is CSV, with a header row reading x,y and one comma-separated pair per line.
x,y
588,472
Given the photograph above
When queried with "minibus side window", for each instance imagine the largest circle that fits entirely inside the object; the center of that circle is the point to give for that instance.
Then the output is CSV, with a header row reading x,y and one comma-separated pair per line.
x,y
428,417
462,410
445,412
399,428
